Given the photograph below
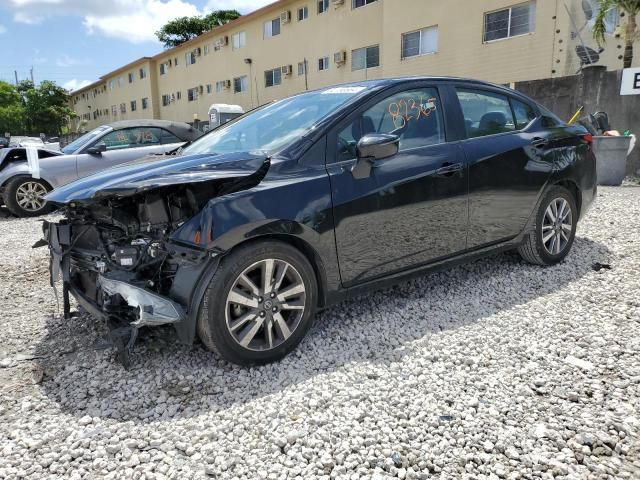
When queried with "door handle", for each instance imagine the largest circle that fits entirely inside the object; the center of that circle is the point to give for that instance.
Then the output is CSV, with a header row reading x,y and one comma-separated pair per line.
x,y
538,142
448,169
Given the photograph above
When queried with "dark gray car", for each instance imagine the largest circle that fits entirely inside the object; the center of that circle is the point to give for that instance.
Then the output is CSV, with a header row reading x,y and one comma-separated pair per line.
x,y
24,182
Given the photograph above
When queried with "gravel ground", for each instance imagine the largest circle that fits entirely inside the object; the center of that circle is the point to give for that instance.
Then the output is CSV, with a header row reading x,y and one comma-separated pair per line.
x,y
496,369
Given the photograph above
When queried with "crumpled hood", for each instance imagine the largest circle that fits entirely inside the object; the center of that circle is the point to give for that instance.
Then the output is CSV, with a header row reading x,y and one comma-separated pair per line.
x,y
152,172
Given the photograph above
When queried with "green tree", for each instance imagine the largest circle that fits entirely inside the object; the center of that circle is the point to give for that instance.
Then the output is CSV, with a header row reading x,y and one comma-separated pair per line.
x,y
12,112
627,8
183,29
46,106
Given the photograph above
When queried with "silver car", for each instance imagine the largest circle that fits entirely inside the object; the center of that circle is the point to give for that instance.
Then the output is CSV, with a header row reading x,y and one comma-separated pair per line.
x,y
27,176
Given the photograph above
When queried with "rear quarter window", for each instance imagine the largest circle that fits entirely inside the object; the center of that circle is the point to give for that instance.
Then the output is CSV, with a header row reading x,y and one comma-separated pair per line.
x,y
523,112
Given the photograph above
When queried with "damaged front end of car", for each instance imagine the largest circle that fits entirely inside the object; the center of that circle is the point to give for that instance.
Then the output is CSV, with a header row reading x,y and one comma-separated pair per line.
x,y
136,245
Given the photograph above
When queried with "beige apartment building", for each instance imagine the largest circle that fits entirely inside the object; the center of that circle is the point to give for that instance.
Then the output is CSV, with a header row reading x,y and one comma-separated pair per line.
x,y
293,45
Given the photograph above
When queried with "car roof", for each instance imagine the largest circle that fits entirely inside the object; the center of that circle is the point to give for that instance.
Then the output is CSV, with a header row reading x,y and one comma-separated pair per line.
x,y
179,129
387,82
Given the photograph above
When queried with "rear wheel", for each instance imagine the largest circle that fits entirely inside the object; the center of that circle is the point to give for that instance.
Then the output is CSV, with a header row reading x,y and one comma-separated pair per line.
x,y
259,304
554,231
24,197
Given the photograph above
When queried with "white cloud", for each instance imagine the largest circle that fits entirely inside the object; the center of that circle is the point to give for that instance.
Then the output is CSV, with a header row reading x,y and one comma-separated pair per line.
x,y
131,20
243,6
75,84
66,61
139,24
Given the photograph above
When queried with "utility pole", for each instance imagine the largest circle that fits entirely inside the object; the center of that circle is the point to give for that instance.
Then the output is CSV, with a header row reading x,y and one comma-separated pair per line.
x,y
306,77
15,72
32,75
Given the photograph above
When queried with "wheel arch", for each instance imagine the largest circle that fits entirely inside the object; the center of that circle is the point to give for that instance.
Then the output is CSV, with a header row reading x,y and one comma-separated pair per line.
x,y
304,247
574,189
26,175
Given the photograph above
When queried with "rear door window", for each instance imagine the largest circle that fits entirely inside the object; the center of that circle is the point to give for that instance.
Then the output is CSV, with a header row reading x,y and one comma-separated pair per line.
x,y
485,113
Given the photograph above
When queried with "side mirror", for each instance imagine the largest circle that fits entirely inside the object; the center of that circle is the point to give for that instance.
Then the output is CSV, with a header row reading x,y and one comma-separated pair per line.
x,y
96,149
372,147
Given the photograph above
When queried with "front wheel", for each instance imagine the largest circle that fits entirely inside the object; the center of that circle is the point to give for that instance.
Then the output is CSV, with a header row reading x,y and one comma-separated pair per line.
x,y
259,304
554,230
24,197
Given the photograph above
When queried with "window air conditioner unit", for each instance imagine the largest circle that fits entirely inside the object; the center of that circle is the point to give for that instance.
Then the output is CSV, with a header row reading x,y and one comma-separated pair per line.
x,y
221,42
337,2
285,17
286,69
227,84
201,88
340,57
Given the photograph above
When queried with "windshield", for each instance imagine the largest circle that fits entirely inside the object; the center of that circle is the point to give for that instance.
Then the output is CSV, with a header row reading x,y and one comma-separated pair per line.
x,y
272,127
74,146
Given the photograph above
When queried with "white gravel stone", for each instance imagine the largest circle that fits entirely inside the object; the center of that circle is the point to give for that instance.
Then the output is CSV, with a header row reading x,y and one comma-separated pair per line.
x,y
491,370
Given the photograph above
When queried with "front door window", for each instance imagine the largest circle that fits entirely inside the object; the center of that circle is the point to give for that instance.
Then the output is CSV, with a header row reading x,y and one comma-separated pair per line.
x,y
415,116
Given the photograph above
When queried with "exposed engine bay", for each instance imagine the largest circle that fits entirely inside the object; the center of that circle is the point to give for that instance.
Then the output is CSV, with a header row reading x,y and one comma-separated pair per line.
x,y
135,259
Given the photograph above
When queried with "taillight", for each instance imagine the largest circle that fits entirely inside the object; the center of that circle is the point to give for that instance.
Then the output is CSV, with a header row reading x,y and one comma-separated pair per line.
x,y
588,138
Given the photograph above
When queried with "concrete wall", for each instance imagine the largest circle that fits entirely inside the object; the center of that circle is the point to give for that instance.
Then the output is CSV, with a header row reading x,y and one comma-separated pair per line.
x,y
598,90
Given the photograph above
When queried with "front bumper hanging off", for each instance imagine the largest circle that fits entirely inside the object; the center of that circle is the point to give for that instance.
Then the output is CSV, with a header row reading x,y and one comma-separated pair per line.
x,y
150,308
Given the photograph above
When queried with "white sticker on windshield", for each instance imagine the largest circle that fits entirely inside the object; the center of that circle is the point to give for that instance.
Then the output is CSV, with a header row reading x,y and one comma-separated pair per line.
x,y
343,90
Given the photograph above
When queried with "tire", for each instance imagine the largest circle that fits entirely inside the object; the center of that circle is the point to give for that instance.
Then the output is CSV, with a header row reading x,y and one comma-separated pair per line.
x,y
19,203
224,324
538,247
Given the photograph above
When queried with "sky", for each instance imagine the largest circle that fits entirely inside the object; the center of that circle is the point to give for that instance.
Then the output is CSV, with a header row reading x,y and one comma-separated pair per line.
x,y
74,42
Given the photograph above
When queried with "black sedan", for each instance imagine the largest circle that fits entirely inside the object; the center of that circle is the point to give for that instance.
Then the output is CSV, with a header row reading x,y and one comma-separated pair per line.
x,y
314,198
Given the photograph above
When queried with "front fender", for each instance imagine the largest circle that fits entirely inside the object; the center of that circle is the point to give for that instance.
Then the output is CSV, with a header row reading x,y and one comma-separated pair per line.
x,y
297,205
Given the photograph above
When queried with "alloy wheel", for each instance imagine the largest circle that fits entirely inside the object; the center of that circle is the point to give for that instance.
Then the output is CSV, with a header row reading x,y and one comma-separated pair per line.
x,y
30,196
265,304
557,226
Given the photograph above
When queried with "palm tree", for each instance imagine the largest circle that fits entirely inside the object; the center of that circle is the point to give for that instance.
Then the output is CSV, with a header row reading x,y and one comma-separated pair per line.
x,y
628,8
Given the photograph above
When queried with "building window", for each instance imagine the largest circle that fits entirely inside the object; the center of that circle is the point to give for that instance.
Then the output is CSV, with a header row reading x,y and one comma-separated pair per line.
x,y
273,77
145,103
112,84
421,42
166,100
163,68
303,13
120,81
362,3
510,22
240,84
114,110
367,57
209,89
206,49
123,108
272,28
220,85
192,94
190,58
131,78
238,40
323,6
179,95
302,68
142,73
134,106
323,63
175,61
